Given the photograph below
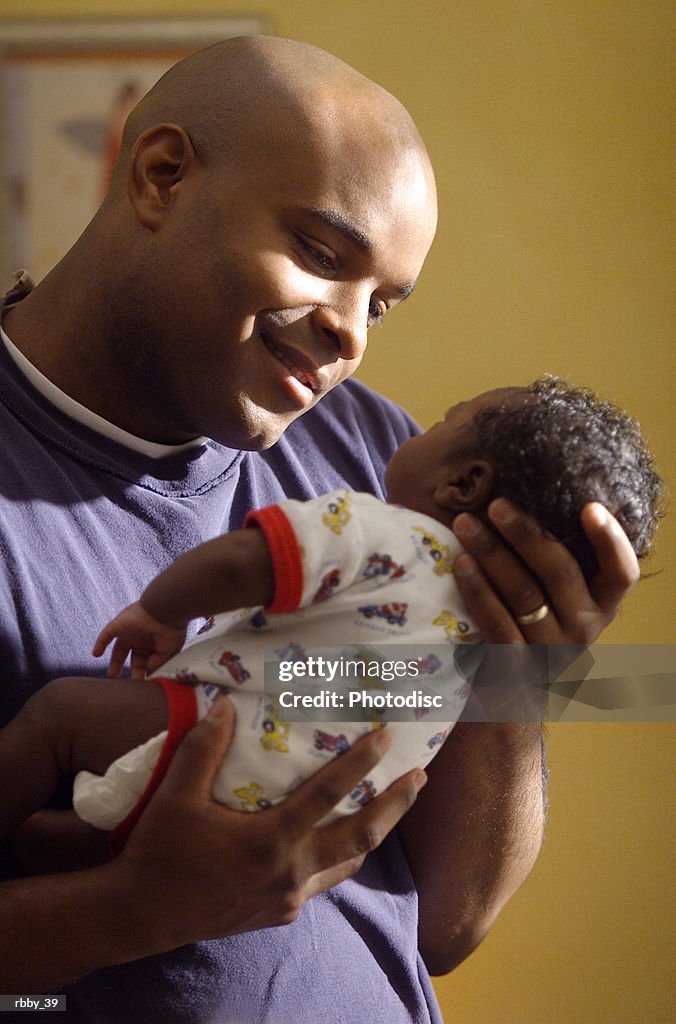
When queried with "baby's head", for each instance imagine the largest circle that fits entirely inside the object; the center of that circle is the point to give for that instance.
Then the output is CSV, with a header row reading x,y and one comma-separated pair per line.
x,y
550,448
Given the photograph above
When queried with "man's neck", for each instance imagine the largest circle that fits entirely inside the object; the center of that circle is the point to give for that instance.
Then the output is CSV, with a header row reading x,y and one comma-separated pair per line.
x,y
27,337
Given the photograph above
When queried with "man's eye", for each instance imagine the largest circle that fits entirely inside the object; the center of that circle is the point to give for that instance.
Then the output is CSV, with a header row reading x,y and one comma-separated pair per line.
x,y
321,257
376,313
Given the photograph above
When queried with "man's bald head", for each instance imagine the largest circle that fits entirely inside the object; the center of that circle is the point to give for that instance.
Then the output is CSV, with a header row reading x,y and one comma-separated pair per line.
x,y
244,96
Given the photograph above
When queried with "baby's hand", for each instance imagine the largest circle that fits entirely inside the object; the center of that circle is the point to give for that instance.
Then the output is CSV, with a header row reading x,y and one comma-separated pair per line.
x,y
150,641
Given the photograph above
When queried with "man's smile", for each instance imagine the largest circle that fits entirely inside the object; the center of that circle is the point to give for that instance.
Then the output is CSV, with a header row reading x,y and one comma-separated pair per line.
x,y
306,377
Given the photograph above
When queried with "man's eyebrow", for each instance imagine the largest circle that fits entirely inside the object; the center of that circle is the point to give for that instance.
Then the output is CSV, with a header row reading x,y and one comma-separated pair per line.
x,y
337,221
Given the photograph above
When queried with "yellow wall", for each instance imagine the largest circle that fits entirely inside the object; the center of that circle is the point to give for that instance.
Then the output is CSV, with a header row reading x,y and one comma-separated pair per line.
x,y
548,124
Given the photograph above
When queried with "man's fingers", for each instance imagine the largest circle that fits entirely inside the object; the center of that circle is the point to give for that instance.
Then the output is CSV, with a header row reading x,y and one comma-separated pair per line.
x,y
574,616
504,582
618,565
342,845
53,840
511,579
532,573
319,794
199,755
273,861
494,620
325,880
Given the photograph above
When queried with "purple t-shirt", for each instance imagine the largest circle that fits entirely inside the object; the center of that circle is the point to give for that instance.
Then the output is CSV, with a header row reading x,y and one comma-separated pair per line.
x,y
84,525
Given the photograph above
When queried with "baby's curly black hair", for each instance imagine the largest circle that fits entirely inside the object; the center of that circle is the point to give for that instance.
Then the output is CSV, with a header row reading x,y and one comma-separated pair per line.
x,y
562,448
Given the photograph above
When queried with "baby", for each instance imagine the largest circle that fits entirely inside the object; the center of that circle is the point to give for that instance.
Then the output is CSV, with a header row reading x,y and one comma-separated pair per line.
x,y
344,570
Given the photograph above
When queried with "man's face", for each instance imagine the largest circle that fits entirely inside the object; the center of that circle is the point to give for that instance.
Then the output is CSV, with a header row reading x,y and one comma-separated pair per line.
x,y
272,273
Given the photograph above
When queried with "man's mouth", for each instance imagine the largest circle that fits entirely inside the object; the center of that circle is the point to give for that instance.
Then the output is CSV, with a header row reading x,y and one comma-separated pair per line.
x,y
308,380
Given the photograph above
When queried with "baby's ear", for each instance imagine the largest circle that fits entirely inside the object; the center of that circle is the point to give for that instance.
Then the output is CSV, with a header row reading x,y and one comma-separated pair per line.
x,y
466,486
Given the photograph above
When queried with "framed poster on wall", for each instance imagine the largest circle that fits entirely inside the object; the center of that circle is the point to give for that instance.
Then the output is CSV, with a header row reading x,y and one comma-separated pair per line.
x,y
66,88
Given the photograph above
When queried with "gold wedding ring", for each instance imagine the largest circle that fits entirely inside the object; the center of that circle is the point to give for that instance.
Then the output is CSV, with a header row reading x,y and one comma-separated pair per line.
x,y
533,617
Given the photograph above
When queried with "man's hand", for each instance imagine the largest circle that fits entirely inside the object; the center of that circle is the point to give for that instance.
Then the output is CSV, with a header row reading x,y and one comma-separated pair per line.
x,y
499,587
193,869
150,641
232,871
476,831
52,841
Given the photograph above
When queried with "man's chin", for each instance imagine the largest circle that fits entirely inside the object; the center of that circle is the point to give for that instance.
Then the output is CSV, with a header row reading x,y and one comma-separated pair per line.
x,y
256,433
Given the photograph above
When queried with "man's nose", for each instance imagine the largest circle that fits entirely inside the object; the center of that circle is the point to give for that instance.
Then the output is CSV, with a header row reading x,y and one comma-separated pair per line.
x,y
344,322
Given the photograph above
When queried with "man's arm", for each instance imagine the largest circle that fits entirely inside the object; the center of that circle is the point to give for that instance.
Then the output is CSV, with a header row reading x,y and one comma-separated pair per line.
x,y
475,833
231,872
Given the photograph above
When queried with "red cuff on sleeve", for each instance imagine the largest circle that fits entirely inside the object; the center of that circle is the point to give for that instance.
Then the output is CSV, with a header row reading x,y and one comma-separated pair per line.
x,y
182,717
287,559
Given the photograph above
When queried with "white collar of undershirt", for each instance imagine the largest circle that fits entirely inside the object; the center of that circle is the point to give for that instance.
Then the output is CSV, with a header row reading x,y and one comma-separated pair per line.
x,y
91,419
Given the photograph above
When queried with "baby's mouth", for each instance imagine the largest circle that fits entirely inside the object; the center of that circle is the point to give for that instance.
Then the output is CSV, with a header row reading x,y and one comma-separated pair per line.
x,y
309,381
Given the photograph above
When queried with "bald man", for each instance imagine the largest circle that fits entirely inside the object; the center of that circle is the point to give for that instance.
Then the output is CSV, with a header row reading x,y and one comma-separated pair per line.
x,y
268,206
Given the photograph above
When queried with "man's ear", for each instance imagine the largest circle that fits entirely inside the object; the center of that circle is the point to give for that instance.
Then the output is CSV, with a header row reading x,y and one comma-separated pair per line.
x,y
465,486
159,161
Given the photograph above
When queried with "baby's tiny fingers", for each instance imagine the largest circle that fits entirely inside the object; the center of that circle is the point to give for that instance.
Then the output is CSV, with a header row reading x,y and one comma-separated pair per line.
x,y
101,642
117,659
